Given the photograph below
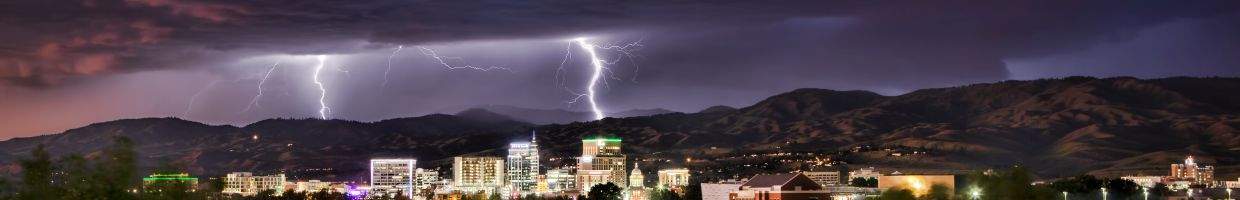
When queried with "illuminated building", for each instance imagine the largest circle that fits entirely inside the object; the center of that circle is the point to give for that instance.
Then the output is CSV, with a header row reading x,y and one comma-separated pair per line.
x,y
1232,184
425,179
779,187
159,182
864,173
540,185
562,179
636,193
720,190
825,178
1144,181
636,178
312,186
1191,172
247,184
674,179
637,185
391,176
919,184
523,165
601,162
474,174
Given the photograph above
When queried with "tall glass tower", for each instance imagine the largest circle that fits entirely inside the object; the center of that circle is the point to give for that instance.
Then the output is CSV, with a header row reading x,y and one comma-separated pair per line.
x,y
523,165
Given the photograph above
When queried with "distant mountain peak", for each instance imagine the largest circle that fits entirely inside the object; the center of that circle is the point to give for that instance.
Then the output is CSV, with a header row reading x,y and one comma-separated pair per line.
x,y
483,115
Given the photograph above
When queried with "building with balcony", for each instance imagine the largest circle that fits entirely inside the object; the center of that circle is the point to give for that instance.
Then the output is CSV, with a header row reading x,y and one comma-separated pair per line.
x,y
473,174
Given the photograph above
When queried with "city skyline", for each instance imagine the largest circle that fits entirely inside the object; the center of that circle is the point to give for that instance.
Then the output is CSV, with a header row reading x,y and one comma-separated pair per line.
x,y
619,100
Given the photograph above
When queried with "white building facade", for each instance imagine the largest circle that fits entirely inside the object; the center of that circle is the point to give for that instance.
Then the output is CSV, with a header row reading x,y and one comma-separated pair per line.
x,y
247,184
673,178
391,176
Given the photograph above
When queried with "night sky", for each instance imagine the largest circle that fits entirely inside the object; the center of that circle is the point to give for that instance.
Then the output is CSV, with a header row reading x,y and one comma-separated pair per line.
x,y
66,63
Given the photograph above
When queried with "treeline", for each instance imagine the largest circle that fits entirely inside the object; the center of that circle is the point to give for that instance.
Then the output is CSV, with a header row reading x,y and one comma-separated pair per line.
x,y
112,175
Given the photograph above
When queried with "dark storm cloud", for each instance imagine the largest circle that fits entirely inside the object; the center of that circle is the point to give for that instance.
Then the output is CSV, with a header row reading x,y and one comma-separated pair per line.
x,y
52,41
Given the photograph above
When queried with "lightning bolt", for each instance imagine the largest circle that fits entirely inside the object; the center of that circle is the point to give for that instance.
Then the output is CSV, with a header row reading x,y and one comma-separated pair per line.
x,y
444,61
194,98
389,65
598,67
600,71
323,109
259,95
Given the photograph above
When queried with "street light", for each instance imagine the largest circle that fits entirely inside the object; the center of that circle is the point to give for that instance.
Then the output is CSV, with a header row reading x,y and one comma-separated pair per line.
x,y
976,193
1190,193
1146,192
1228,193
1104,193
1065,195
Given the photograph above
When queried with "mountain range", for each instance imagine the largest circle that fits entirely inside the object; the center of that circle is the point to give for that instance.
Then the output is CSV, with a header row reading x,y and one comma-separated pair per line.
x,y
1057,127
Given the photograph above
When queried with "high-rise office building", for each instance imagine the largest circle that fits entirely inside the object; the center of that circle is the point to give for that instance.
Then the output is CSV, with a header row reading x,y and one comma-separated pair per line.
x,y
523,165
601,162
247,184
391,176
474,174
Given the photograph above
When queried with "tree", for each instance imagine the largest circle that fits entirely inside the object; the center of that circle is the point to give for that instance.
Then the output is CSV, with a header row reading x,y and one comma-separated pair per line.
x,y
1160,190
607,191
495,196
938,192
664,194
37,176
897,194
1122,188
264,195
116,170
1013,183
694,191
863,182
